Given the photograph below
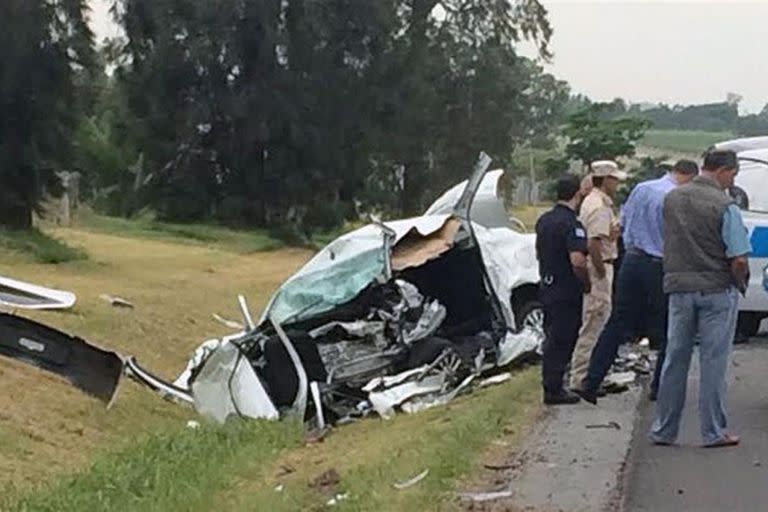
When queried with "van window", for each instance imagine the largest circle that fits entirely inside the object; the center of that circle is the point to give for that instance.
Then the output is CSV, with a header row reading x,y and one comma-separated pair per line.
x,y
751,179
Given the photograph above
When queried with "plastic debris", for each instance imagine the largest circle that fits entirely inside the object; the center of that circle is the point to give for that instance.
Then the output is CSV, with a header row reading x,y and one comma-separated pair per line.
x,y
496,379
412,481
228,323
486,496
336,499
117,302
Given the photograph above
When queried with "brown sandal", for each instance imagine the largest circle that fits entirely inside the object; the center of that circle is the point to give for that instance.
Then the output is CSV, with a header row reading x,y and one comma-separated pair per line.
x,y
727,440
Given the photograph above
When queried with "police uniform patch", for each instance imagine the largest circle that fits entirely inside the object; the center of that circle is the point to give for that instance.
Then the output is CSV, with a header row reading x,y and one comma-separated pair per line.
x,y
580,233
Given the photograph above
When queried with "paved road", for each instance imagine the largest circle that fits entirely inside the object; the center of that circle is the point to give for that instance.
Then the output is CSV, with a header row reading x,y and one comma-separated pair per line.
x,y
689,478
572,462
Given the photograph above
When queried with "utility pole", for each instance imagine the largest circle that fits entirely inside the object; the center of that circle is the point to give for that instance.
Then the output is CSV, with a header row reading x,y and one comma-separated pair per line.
x,y
531,195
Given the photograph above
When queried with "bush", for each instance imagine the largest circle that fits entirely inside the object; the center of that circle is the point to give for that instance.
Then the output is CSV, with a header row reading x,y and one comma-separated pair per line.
x,y
41,247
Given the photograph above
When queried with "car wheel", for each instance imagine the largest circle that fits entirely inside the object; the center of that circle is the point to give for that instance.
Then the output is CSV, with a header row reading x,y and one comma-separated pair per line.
x,y
531,315
747,326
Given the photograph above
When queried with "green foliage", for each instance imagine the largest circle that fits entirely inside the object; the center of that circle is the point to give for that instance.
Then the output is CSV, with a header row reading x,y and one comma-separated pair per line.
x,y
753,124
594,135
44,46
298,114
712,117
39,246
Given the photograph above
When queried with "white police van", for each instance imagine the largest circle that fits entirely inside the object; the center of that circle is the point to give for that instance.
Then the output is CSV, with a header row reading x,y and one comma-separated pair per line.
x,y
752,195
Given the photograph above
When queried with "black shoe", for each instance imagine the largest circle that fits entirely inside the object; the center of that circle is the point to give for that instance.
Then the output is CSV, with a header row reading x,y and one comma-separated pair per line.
x,y
561,398
587,396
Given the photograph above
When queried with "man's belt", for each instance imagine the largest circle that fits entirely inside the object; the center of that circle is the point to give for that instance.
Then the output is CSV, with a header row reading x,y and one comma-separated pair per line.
x,y
639,252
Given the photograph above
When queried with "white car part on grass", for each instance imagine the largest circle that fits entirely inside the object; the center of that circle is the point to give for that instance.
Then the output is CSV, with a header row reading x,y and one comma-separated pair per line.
x,y
18,294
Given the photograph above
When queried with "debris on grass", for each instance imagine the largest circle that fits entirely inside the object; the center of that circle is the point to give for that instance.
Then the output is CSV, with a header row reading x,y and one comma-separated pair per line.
x,y
117,302
336,499
326,480
412,481
228,323
496,379
486,496
285,470
317,435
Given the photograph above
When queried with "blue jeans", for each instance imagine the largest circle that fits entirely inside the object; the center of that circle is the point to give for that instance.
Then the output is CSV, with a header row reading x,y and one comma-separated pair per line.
x,y
639,306
711,317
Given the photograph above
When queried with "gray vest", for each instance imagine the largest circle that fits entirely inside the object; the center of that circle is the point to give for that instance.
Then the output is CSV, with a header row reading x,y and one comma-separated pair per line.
x,y
694,252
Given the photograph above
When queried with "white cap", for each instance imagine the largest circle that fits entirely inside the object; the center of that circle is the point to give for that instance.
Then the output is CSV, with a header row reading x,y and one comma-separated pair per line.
x,y
607,168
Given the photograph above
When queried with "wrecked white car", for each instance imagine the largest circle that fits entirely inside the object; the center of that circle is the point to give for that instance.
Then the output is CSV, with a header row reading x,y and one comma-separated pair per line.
x,y
395,315
398,315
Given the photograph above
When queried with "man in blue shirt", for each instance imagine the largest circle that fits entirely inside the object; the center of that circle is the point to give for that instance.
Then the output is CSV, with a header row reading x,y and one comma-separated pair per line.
x,y
640,298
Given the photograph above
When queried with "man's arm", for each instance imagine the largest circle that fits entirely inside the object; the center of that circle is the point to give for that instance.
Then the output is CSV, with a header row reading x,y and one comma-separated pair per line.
x,y
598,224
579,264
577,253
737,246
740,271
596,254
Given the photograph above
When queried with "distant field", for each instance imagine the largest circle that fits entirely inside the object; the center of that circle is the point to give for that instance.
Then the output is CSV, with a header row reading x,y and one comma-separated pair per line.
x,y
683,141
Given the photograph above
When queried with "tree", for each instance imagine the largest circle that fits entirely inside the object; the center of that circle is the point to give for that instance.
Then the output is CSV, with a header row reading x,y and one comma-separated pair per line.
x,y
650,168
297,112
592,137
44,45
455,86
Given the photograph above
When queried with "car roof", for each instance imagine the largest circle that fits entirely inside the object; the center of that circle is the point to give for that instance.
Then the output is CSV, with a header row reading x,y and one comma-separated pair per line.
x,y
744,144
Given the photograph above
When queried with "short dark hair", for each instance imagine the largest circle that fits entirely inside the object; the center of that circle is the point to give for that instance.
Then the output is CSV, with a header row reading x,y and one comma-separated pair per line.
x,y
568,185
719,158
686,167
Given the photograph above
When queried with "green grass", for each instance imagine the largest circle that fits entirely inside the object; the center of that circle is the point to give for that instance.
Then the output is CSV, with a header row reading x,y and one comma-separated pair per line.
x,y
241,242
234,467
61,451
684,141
244,241
451,442
529,214
173,470
39,246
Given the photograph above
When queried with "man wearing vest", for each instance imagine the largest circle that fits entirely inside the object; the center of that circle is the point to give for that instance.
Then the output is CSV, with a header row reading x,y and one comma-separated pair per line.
x,y
599,218
705,262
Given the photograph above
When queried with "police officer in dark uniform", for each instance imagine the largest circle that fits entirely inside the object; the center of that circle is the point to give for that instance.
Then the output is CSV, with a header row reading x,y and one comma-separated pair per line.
x,y
561,248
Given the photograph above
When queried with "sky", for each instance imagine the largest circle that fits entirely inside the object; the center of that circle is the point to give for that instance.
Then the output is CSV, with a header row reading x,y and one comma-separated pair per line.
x,y
671,51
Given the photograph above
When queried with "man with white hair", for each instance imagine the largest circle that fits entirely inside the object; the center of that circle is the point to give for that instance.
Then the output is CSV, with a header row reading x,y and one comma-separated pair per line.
x,y
602,225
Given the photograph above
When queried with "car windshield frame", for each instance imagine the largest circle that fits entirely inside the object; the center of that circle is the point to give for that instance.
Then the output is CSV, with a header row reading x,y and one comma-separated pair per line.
x,y
755,206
